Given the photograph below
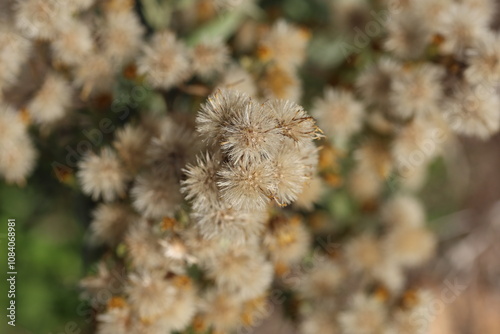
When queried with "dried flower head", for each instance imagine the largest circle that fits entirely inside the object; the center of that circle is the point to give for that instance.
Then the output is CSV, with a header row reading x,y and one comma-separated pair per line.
x,y
102,175
165,61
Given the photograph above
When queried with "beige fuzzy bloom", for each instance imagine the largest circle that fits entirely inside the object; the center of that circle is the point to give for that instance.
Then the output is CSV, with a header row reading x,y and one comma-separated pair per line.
x,y
102,176
292,121
241,271
287,240
95,74
484,61
110,222
416,91
210,58
247,186
221,311
250,135
17,159
365,315
200,185
375,82
364,253
417,143
162,304
165,62
121,36
114,320
14,52
278,82
407,38
41,19
290,175
17,152
129,143
73,43
403,211
473,111
156,197
409,246
339,114
324,279
364,185
217,112
461,26
228,225
52,100
319,321
143,247
285,44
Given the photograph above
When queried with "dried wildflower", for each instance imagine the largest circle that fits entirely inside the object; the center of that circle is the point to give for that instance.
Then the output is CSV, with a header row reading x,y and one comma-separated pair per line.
x,y
17,159
243,272
15,51
171,150
278,82
403,210
407,38
416,91
249,134
364,185
461,26
292,121
156,197
223,222
473,111
129,143
165,62
73,43
373,156
110,222
418,142
221,311
390,275
209,58
143,247
320,321
484,61
289,174
285,44
365,315
364,253
52,100
40,19
102,175
121,36
324,280
156,299
200,185
410,246
114,320
339,114
217,112
95,74
247,186
375,82
287,240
